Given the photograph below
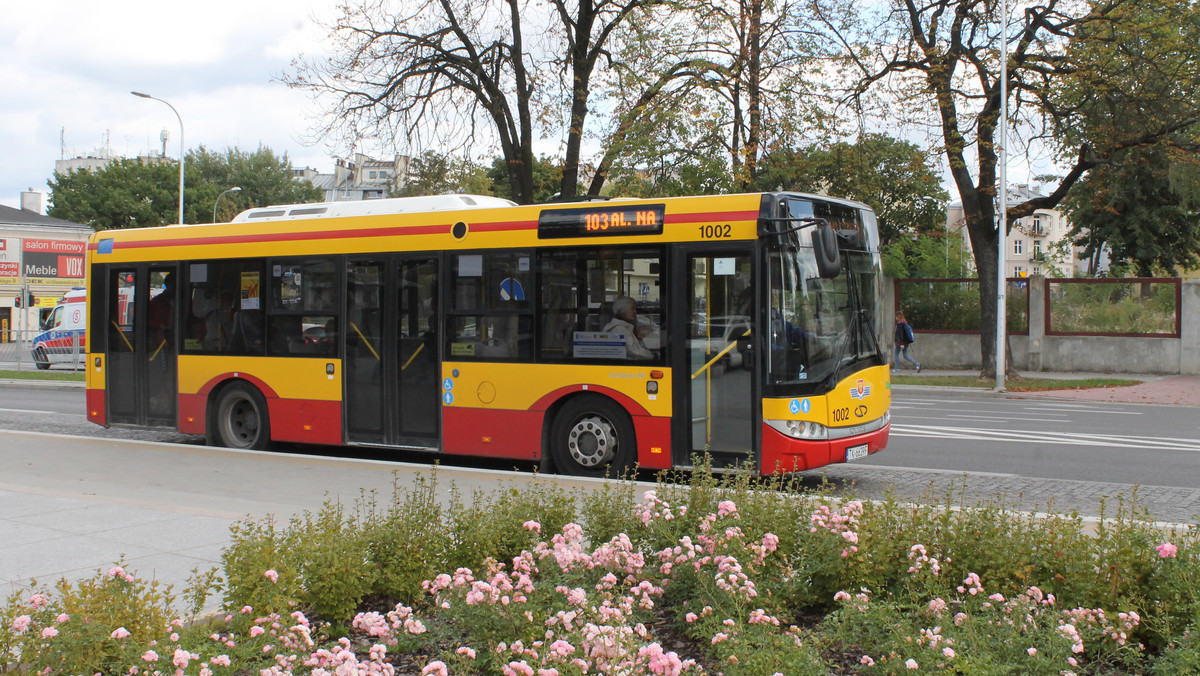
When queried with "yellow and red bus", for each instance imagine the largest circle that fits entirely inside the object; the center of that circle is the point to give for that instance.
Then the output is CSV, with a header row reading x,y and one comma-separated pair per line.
x,y
591,336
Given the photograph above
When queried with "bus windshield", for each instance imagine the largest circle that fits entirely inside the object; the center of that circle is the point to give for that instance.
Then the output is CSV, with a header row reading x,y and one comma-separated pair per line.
x,y
820,328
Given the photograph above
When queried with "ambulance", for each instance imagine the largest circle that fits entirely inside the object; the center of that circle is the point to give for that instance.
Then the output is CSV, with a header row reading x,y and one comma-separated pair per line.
x,y
63,338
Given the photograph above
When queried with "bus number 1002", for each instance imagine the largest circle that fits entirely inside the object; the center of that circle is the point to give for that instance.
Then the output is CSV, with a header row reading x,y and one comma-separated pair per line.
x,y
715,231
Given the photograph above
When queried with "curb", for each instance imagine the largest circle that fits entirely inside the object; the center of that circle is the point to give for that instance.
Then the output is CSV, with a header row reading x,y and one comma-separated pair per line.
x,y
42,384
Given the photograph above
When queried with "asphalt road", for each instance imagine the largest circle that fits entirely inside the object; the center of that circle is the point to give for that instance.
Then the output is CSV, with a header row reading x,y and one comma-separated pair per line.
x,y
1037,453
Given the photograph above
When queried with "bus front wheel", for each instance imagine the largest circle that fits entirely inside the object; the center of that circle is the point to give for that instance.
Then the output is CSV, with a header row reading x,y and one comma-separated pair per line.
x,y
592,436
240,419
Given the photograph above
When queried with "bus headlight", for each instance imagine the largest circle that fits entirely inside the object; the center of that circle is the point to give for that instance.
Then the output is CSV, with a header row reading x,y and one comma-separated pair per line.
x,y
800,429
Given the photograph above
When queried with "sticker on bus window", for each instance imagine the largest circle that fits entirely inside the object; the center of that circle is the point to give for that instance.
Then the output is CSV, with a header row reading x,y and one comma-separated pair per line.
x,y
724,266
250,291
598,345
462,349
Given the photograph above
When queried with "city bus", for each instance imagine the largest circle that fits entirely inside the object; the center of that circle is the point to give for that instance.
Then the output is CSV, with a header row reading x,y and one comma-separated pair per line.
x,y
590,337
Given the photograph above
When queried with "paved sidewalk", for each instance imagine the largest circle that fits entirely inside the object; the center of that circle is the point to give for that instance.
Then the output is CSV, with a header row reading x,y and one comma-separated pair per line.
x,y
1154,389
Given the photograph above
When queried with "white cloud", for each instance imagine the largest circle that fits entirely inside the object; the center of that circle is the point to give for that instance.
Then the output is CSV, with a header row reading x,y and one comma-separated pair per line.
x,y
66,70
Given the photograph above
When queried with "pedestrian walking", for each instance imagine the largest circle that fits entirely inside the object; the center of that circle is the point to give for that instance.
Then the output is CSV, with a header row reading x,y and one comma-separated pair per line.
x,y
903,338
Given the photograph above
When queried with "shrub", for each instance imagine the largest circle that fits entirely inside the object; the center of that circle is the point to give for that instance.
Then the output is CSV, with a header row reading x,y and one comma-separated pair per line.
x,y
733,575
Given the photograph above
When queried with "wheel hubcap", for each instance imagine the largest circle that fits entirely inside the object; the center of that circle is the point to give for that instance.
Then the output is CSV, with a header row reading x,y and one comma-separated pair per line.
x,y
592,441
241,423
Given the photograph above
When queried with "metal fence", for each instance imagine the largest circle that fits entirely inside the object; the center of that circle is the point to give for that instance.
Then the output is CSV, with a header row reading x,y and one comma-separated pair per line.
x,y
19,352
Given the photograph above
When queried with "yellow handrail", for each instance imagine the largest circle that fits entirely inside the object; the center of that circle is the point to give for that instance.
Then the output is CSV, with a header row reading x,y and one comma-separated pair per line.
x,y
122,334
414,356
720,354
364,340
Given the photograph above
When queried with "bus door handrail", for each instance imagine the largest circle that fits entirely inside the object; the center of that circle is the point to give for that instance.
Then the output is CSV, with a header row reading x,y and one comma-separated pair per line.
x,y
364,340
732,344
122,334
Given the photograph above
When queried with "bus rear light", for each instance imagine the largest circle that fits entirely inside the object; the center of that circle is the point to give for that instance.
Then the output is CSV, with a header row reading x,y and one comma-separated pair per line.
x,y
487,440
800,429
657,375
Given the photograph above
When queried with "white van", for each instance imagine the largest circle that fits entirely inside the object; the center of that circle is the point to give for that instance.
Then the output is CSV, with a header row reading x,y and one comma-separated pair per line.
x,y
63,337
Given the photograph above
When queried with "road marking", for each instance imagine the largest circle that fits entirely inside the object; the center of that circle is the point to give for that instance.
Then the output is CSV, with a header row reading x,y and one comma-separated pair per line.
x,y
1064,438
26,410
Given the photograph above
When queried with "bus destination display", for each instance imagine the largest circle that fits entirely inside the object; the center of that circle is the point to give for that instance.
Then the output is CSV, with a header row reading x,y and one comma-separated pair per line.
x,y
646,219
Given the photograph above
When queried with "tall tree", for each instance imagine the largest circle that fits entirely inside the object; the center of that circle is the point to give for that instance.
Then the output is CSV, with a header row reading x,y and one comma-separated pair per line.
x,y
702,77
459,72
132,193
547,179
264,178
1072,74
894,177
1134,213
128,193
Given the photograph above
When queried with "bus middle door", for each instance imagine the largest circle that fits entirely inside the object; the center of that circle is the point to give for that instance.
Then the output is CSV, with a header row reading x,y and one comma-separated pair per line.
x,y
142,313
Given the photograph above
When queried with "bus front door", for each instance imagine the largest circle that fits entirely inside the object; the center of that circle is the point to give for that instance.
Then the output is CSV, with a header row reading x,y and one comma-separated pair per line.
x,y
392,364
716,390
140,345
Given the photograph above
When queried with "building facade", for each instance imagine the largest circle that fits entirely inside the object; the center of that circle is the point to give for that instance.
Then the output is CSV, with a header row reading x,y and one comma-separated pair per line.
x,y
362,178
40,258
1039,244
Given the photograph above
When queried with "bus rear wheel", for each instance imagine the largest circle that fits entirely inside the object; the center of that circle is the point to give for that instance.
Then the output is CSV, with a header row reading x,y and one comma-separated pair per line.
x,y
241,419
592,436
40,358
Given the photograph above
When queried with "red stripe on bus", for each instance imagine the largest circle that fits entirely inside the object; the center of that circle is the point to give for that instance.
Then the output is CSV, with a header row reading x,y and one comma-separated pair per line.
x,y
217,380
781,454
97,412
633,407
492,433
306,421
653,442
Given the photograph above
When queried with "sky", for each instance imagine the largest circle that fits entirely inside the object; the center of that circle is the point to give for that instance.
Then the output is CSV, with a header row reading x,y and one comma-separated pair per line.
x,y
67,68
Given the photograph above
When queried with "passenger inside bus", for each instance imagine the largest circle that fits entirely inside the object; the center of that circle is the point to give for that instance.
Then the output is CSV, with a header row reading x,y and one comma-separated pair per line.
x,y
624,322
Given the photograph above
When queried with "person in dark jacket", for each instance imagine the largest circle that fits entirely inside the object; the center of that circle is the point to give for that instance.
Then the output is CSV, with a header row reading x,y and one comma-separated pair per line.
x,y
903,338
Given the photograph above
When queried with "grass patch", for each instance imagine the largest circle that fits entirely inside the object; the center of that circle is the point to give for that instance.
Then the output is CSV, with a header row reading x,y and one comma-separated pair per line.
x,y
1015,384
72,376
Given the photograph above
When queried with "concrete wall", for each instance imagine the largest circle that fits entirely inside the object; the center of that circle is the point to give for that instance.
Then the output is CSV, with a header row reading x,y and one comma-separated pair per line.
x,y
1039,352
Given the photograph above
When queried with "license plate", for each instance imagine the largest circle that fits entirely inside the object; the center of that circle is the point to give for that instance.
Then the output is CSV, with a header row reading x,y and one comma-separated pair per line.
x,y
856,453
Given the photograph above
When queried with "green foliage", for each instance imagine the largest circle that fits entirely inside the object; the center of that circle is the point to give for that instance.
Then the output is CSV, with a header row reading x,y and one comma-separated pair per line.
x,y
893,177
929,256
128,193
954,305
1134,212
77,628
131,193
547,179
1108,307
731,566
434,173
264,179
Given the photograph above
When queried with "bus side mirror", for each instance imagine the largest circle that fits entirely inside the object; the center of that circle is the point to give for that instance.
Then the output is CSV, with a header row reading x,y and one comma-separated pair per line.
x,y
825,248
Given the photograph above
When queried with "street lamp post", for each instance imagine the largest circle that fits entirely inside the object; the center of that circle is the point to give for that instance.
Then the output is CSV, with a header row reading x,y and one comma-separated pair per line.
x,y
233,189
181,146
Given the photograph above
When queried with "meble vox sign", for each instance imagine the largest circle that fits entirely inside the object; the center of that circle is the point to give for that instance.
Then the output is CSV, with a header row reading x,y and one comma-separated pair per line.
x,y
43,261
